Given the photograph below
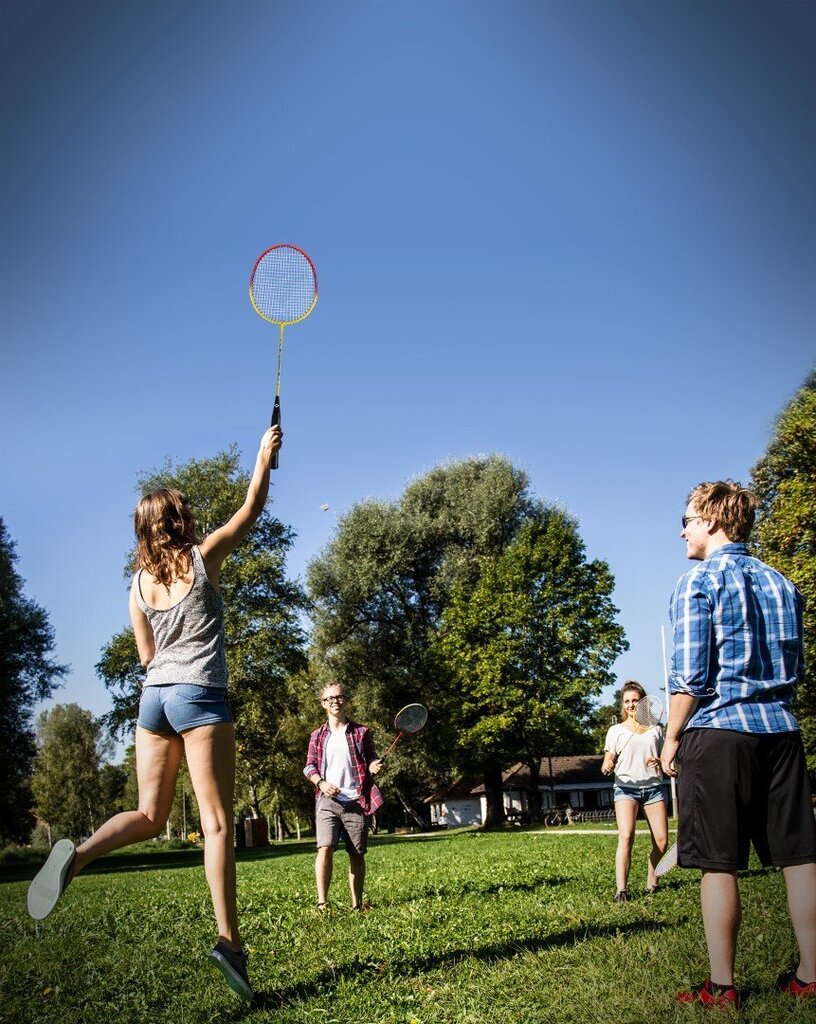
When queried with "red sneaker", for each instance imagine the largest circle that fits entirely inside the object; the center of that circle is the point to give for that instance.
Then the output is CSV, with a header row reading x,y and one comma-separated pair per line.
x,y
718,997
796,988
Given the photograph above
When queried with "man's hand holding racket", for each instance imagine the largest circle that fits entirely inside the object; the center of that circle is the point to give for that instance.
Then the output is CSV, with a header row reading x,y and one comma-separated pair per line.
x,y
376,765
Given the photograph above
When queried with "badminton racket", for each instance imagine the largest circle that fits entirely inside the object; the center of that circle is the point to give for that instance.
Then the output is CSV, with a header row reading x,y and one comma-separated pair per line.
x,y
667,861
409,719
282,290
648,712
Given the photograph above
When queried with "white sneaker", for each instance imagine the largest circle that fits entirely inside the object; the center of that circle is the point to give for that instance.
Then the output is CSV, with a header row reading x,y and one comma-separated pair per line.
x,y
51,880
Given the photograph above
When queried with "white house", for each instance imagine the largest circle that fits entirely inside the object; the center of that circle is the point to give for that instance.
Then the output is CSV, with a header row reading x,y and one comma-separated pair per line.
x,y
575,782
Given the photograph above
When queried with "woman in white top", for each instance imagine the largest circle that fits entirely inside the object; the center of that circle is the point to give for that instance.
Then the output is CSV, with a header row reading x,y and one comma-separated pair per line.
x,y
632,752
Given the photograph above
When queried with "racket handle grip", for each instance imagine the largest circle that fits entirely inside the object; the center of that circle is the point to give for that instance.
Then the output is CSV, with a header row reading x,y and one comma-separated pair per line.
x,y
276,415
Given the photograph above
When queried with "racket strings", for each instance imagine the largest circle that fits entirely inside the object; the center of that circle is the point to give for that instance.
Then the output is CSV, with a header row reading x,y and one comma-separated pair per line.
x,y
649,711
411,718
283,285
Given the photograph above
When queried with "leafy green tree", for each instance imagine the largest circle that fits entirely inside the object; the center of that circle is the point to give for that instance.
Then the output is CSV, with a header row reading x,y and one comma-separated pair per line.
x,y
264,635
529,646
399,576
273,782
28,674
784,480
601,719
67,789
379,591
112,782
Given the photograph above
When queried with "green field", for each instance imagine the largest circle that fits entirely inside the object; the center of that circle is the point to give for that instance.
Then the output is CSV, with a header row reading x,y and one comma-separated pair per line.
x,y
512,928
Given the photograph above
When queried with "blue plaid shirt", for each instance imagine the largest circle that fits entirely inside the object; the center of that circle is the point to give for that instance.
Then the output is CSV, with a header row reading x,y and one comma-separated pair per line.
x,y
738,643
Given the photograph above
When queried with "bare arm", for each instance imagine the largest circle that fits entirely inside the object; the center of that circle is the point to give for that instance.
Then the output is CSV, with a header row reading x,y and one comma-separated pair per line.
x,y
222,542
681,707
145,643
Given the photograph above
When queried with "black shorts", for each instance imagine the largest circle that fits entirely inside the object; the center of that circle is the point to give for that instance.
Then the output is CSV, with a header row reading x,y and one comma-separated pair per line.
x,y
736,788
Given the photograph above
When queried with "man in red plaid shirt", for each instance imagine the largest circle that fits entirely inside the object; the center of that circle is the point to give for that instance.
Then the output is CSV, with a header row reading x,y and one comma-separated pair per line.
x,y
340,764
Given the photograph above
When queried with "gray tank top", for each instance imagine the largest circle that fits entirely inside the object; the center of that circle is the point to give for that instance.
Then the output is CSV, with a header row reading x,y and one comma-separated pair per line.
x,y
189,637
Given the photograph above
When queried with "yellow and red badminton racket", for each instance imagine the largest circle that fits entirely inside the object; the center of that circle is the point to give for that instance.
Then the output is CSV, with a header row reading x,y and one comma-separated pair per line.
x,y
282,290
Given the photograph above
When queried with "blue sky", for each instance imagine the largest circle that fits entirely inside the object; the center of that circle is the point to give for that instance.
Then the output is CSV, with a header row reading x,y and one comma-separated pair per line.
x,y
580,234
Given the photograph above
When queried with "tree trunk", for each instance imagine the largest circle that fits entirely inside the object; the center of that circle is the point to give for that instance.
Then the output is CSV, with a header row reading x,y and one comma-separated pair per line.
x,y
494,794
283,830
534,796
409,810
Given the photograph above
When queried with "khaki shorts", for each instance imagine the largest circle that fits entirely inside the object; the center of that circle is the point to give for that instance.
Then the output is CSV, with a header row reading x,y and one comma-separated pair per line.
x,y
331,815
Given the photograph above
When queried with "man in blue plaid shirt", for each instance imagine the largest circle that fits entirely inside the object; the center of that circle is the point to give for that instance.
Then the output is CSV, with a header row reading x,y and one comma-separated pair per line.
x,y
738,657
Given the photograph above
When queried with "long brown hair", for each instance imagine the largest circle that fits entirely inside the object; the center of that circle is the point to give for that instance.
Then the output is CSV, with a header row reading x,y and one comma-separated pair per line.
x,y
165,533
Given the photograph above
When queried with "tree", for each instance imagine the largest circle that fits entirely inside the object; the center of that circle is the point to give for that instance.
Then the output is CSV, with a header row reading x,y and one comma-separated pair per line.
x,y
398,577
529,646
66,782
380,589
264,636
784,480
28,674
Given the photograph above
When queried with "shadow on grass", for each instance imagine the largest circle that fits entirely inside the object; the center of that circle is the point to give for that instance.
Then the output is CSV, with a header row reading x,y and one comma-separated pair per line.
x,y
158,860
171,860
474,888
412,966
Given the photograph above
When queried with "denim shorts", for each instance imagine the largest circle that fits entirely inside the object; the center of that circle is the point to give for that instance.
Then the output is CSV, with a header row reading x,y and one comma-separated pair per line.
x,y
175,707
642,795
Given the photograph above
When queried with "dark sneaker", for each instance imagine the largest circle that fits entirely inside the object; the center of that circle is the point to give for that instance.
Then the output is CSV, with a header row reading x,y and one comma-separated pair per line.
x,y
51,880
717,997
796,988
623,896
234,968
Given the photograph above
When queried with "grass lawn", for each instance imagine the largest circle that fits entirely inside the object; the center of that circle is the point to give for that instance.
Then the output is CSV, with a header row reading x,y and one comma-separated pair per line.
x,y
513,928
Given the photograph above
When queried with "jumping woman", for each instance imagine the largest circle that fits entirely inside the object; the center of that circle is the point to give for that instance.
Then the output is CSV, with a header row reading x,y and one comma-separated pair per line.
x,y
178,620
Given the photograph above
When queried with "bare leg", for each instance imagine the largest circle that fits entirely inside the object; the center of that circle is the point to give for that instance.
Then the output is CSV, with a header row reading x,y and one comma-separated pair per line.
x,y
801,883
357,870
722,913
626,816
659,827
210,751
323,872
157,762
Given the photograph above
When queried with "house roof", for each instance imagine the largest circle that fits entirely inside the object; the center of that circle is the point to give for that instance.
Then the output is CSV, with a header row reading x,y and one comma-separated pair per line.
x,y
581,769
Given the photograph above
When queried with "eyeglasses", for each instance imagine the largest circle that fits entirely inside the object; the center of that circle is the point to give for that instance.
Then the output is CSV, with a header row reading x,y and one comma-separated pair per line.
x,y
685,520
334,700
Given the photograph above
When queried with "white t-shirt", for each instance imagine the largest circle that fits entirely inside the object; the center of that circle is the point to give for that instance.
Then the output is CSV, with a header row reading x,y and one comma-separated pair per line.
x,y
337,767
630,767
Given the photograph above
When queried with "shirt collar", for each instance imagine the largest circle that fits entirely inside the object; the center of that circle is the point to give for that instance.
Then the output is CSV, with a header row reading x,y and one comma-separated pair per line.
x,y
732,548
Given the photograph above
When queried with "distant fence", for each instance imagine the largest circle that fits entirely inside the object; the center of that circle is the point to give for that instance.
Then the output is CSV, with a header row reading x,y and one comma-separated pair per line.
x,y
564,817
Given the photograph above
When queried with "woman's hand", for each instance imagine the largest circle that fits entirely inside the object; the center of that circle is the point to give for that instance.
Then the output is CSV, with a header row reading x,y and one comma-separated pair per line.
x,y
608,766
271,442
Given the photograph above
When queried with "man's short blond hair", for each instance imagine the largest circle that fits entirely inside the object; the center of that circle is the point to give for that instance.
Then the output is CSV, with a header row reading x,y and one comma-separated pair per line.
x,y
731,505
329,685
